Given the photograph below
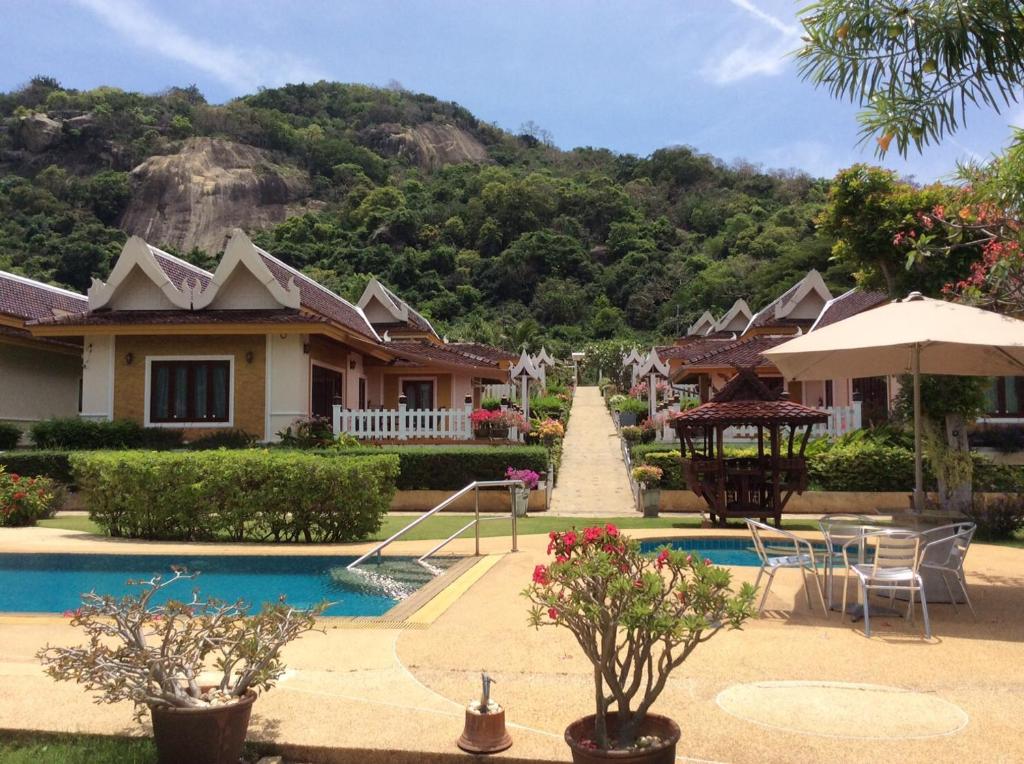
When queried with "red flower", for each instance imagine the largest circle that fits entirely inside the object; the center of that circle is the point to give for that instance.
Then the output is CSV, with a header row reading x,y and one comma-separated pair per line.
x,y
553,613
591,535
662,559
14,476
19,496
540,575
569,537
611,530
561,558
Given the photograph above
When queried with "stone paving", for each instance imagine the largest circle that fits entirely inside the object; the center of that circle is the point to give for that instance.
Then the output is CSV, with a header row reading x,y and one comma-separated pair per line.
x,y
592,481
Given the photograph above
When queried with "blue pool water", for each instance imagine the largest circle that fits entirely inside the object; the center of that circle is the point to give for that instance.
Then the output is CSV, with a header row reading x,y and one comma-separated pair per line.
x,y
738,552
52,583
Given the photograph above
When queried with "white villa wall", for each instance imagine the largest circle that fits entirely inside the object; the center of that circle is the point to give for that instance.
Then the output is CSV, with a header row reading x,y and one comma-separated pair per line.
x,y
287,386
462,385
38,384
138,292
98,377
352,375
243,291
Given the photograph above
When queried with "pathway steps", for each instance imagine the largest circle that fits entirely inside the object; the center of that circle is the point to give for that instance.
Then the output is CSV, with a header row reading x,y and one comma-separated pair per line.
x,y
592,481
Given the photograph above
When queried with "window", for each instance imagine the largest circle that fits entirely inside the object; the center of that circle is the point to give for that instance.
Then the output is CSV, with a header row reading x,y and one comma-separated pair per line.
x,y
189,391
419,394
1006,396
325,391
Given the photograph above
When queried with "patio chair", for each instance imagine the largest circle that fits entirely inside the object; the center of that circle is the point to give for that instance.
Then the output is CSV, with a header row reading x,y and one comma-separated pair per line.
x,y
802,556
944,553
837,530
895,567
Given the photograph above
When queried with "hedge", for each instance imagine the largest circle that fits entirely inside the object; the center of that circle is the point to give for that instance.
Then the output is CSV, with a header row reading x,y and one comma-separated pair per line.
x,y
235,495
72,434
449,468
51,464
10,435
855,467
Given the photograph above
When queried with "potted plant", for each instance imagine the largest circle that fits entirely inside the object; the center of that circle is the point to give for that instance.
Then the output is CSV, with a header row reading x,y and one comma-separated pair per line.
x,y
197,666
649,478
631,411
637,617
521,496
483,421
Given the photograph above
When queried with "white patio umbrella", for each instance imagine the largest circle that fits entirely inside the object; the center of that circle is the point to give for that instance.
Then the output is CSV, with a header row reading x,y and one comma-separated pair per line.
x,y
916,335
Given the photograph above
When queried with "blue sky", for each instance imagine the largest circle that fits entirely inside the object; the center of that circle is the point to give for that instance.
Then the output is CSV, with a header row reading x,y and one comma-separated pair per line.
x,y
632,76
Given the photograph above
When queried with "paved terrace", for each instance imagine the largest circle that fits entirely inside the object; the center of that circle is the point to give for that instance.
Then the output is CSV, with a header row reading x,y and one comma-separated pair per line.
x,y
375,692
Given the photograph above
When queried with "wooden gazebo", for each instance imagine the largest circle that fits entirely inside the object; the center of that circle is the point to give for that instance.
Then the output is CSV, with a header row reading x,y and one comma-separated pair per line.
x,y
747,486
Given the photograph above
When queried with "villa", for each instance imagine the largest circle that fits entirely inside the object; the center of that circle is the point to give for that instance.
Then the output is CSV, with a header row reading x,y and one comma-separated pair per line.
x,y
42,375
253,346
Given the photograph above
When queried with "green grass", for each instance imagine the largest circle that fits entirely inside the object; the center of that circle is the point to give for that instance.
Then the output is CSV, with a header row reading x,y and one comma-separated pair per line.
x,y
442,526
68,749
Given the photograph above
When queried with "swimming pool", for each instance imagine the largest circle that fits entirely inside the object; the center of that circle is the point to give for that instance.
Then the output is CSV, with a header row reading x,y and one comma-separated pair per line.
x,y
53,583
739,552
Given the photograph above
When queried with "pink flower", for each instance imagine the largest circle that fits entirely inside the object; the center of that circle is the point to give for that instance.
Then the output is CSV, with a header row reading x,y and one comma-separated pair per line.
x,y
561,558
540,575
569,537
553,613
591,535
611,530
662,559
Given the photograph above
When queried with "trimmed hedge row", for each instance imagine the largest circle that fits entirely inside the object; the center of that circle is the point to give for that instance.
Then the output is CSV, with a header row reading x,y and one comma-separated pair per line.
x,y
449,468
439,468
73,434
855,467
236,495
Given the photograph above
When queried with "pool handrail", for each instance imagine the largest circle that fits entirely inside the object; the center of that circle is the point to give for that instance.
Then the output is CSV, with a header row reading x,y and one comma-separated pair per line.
x,y
476,485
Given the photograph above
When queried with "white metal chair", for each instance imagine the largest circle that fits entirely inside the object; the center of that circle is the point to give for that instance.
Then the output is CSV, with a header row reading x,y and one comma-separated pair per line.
x,y
802,557
945,553
895,567
837,530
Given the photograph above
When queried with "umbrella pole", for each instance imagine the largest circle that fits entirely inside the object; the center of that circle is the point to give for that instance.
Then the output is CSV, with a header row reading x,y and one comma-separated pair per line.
x,y
918,457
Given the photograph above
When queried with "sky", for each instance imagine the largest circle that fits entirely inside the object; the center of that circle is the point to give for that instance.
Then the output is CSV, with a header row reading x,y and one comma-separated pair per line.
x,y
629,75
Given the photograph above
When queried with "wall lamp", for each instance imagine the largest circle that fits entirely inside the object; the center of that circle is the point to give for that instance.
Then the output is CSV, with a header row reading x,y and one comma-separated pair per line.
x,y
128,358
249,356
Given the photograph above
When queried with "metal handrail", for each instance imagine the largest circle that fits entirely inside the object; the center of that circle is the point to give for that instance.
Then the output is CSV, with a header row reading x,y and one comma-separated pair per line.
x,y
476,485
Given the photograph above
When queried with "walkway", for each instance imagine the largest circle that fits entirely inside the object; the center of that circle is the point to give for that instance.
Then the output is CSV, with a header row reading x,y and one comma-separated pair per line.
x,y
593,479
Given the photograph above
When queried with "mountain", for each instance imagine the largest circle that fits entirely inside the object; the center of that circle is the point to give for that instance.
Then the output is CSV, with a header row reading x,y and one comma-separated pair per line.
x,y
496,236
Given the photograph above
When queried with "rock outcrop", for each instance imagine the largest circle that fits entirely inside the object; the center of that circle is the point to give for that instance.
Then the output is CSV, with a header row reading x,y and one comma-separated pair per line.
x,y
430,145
195,197
37,132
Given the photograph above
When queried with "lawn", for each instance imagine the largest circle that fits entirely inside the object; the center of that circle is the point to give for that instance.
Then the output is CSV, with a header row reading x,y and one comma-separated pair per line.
x,y
442,526
66,749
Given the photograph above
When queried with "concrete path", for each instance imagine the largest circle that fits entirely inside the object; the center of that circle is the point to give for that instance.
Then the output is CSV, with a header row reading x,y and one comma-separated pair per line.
x,y
593,478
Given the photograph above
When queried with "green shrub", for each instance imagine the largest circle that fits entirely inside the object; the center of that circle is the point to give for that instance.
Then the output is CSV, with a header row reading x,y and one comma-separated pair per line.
x,y
308,432
10,434
223,439
236,495
863,466
490,404
671,468
51,464
449,468
997,519
549,407
72,434
997,478
633,406
24,499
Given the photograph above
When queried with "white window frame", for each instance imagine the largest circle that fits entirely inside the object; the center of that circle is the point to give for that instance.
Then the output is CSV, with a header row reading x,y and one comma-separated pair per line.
x,y
433,379
190,425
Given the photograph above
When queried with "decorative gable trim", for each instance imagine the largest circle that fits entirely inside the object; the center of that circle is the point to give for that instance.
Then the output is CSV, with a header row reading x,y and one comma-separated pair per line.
x,y
736,319
702,325
137,254
652,364
242,253
812,283
376,291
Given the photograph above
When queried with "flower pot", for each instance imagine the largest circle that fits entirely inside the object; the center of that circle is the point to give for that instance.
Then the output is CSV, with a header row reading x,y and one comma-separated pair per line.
x,y
213,735
626,419
653,724
520,501
651,498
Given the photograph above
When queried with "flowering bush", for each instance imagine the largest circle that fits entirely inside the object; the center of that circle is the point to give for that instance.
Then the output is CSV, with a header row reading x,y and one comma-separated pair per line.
x,y
637,617
529,477
23,500
639,390
153,654
647,475
485,420
549,431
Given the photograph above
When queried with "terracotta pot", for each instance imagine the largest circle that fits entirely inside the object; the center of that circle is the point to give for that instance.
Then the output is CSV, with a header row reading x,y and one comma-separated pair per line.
x,y
201,735
653,724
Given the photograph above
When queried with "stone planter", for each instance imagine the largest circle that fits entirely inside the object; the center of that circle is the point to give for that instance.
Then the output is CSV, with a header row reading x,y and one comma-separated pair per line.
x,y
627,419
651,500
520,501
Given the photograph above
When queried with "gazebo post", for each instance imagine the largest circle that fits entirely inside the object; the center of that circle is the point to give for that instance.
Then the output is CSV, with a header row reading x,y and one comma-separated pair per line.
x,y
776,493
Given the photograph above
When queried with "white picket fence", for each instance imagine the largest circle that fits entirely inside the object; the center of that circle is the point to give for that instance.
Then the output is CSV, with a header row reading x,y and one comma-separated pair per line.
x,y
841,420
403,423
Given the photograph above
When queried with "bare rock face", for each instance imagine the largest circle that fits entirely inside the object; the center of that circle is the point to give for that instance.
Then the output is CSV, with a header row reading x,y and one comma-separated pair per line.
x,y
195,197
429,145
37,132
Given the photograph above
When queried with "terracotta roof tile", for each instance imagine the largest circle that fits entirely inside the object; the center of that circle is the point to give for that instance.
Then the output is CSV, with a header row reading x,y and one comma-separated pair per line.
x,y
731,413
694,348
419,351
849,304
320,299
178,270
415,321
483,352
744,352
27,299
184,317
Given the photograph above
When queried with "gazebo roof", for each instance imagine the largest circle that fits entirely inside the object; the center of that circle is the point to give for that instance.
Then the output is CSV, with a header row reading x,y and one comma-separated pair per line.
x,y
746,400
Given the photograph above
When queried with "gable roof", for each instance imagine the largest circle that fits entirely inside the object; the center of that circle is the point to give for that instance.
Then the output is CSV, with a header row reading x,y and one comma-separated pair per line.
x,y
403,313
421,351
483,352
28,299
849,304
703,325
175,278
746,399
735,319
746,352
779,311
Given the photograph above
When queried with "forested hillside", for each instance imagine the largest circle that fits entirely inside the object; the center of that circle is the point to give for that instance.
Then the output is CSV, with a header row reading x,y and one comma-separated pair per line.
x,y
495,236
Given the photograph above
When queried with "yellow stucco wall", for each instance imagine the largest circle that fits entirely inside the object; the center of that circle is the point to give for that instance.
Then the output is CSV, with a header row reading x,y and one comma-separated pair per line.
x,y
249,394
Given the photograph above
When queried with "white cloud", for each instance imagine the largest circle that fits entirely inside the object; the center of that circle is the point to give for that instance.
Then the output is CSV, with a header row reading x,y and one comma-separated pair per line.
x,y
757,54
243,71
